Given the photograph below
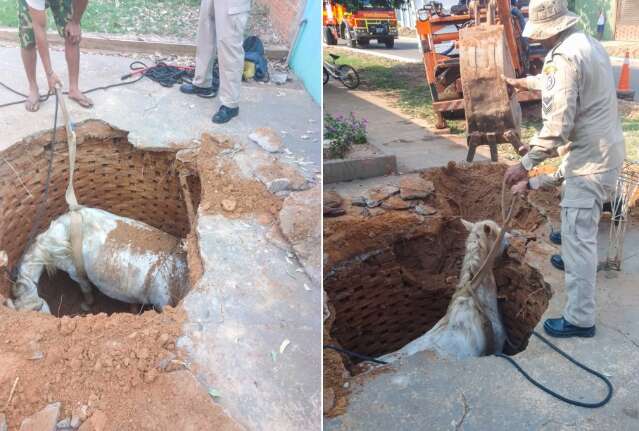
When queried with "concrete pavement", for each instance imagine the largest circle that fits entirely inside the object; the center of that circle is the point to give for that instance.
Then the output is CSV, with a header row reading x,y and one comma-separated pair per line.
x,y
411,140
157,116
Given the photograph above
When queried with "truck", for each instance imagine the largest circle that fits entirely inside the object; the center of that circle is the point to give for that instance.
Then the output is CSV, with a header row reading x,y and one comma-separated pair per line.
x,y
360,21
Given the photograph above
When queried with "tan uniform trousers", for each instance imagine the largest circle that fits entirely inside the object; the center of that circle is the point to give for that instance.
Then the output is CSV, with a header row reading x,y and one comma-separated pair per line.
x,y
221,33
581,205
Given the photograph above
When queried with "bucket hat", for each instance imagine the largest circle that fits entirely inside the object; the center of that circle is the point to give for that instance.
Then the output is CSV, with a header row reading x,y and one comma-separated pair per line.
x,y
548,18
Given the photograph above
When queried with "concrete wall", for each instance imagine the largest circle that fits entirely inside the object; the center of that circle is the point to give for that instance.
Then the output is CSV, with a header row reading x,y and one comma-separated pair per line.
x,y
285,16
306,51
627,20
588,10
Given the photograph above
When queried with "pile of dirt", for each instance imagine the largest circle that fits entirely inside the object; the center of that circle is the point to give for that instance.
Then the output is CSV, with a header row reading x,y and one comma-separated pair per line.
x,y
119,365
474,193
224,188
336,377
389,275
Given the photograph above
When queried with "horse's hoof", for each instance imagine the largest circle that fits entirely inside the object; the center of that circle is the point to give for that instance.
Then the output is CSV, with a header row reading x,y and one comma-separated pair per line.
x,y
44,308
85,307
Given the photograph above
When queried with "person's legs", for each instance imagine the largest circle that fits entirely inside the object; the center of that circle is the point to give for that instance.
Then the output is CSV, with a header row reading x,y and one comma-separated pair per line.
x,y
62,13
579,251
29,55
206,46
230,38
582,200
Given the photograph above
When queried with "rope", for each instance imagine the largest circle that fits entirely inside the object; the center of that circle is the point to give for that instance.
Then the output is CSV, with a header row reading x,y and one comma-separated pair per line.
x,y
41,208
162,73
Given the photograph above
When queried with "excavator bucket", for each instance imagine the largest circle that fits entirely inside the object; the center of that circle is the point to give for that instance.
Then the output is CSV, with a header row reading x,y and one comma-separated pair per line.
x,y
493,116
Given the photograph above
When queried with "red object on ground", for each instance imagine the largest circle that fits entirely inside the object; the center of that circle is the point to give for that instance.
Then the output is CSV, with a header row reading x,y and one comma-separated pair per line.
x,y
624,91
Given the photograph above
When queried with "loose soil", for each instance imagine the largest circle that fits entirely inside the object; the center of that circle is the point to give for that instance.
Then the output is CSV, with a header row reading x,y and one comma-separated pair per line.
x,y
122,365
222,181
123,360
389,274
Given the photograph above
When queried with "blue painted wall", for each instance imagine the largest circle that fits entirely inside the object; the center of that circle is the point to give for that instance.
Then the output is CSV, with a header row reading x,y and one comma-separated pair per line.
x,y
306,56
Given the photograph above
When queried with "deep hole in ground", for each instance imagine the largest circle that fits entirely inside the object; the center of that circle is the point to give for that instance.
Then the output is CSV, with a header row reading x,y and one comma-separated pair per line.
x,y
389,278
111,174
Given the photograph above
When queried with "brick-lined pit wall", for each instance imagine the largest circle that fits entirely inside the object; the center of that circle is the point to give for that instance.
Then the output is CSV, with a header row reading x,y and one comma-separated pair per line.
x,y
285,16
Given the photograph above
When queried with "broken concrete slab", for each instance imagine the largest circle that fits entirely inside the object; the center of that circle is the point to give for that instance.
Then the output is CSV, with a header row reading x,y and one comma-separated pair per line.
x,y
332,206
268,139
277,175
381,193
415,187
332,199
301,224
425,210
45,420
249,301
396,203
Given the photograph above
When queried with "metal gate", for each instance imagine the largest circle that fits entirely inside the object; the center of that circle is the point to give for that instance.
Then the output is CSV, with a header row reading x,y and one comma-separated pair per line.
x,y
627,27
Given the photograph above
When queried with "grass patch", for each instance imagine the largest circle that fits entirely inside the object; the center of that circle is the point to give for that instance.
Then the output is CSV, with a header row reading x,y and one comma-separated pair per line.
x,y
176,18
404,84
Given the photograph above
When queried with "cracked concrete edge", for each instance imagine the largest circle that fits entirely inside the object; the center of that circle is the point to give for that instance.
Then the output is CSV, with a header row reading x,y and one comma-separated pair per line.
x,y
247,316
106,42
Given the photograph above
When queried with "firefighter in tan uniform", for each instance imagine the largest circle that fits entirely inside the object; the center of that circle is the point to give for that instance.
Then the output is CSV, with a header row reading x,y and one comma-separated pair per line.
x,y
580,123
220,33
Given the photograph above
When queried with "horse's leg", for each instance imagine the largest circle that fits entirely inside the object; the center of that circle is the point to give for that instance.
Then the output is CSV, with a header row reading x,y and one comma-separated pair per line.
x,y
86,288
25,289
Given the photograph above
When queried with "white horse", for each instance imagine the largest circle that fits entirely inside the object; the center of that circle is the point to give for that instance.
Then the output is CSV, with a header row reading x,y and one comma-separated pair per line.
x,y
123,258
472,325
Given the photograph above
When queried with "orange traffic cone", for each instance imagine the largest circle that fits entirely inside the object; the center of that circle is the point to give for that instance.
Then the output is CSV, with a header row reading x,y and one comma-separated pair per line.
x,y
624,91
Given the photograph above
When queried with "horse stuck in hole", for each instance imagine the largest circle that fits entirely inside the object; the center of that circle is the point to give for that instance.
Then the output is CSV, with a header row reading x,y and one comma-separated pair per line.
x,y
472,325
125,259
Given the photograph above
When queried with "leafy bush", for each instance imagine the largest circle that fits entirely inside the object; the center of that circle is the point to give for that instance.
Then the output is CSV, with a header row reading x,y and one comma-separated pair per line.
x,y
343,133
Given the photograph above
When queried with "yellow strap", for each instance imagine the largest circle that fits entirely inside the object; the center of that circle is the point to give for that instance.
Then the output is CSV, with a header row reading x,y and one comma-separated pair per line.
x,y
75,228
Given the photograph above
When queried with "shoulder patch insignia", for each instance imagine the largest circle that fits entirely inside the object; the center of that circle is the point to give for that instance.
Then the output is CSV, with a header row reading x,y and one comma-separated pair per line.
x,y
546,104
549,69
550,81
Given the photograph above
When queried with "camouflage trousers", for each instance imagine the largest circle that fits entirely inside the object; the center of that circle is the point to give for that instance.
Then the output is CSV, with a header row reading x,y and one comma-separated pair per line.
x,y
62,11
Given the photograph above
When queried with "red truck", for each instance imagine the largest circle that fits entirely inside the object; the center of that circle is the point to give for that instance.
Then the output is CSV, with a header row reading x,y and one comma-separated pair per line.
x,y
359,22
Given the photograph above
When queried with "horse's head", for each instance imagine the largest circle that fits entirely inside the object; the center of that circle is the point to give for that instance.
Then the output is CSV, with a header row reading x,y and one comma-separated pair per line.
x,y
485,233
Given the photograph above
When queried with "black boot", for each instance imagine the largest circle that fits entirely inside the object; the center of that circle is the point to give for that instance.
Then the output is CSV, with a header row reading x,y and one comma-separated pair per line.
x,y
207,92
557,262
225,114
563,329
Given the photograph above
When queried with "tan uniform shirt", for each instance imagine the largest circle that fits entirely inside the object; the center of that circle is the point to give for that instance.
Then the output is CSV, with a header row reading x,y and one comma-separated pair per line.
x,y
579,109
